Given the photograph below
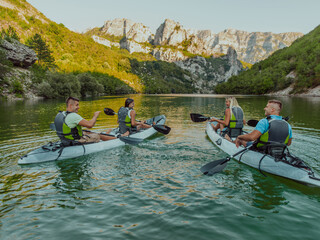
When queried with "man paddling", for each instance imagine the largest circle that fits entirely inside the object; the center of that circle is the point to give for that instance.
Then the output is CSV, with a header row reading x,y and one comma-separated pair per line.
x,y
273,128
69,125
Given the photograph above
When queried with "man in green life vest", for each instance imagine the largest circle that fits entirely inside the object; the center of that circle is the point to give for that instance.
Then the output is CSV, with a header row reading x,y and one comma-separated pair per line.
x,y
273,128
69,125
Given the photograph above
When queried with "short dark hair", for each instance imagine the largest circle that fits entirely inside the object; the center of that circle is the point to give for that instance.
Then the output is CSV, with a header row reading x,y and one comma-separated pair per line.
x,y
276,102
128,101
71,99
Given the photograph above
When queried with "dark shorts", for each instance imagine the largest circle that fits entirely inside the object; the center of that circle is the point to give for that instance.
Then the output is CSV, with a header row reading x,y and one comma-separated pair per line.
x,y
123,129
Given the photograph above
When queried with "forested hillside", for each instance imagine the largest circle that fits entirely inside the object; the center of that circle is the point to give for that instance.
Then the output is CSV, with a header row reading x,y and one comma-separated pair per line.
x,y
72,54
297,66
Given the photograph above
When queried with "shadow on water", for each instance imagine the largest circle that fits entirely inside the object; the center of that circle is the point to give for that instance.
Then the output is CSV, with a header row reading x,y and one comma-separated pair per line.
x,y
266,191
73,175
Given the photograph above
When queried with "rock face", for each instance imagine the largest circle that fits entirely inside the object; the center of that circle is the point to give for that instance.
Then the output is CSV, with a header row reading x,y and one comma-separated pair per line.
x,y
105,41
168,55
208,72
133,46
131,30
250,47
170,33
18,53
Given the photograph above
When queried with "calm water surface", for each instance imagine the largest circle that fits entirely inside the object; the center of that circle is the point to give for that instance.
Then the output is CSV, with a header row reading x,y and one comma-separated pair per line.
x,y
154,190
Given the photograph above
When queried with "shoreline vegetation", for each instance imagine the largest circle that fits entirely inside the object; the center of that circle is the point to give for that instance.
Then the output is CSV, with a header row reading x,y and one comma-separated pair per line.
x,y
313,93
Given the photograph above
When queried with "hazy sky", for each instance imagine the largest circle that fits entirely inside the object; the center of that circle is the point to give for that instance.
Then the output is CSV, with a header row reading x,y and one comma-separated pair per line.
x,y
216,15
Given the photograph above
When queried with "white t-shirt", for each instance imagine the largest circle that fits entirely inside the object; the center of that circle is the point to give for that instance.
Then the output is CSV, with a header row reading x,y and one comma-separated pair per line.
x,y
72,119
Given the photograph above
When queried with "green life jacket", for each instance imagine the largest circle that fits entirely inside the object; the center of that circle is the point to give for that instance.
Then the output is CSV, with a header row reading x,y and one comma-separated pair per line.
x,y
124,120
235,126
236,120
278,132
123,116
64,132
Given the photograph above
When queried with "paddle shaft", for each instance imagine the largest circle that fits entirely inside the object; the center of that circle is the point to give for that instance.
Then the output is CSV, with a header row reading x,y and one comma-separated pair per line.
x,y
232,156
218,165
237,153
160,128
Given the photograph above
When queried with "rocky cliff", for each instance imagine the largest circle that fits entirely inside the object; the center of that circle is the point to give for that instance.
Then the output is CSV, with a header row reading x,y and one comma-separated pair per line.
x,y
208,72
250,47
19,54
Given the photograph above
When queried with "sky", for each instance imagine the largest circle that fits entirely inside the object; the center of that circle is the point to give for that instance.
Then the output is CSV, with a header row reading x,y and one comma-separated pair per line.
x,y
275,16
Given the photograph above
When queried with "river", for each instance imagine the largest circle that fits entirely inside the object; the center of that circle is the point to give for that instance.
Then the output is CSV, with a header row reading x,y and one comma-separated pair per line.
x,y
153,190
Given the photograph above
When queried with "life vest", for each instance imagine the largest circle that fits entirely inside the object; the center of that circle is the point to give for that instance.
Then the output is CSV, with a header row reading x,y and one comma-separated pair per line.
x,y
235,126
278,132
236,120
124,117
64,132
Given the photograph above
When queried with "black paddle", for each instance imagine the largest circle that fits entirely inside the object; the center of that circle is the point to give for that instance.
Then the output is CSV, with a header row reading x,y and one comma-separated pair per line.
x,y
129,140
195,117
218,165
164,129
253,123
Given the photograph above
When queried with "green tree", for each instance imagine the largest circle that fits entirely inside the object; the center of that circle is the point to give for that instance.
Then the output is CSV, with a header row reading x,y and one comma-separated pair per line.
x,y
59,85
5,65
9,33
89,85
44,54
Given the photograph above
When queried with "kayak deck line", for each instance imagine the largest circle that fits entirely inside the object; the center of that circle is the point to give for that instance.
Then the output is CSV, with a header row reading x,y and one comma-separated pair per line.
x,y
56,151
297,171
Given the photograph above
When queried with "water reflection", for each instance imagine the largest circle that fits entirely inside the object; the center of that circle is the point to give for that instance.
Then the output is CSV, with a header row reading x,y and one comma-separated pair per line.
x,y
73,175
156,184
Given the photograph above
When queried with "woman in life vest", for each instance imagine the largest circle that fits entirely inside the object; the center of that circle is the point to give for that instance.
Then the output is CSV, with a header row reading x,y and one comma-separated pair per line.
x,y
127,118
233,120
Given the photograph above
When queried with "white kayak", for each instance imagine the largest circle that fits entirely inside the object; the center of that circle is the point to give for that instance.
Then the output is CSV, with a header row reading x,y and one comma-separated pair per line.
x,y
265,163
55,151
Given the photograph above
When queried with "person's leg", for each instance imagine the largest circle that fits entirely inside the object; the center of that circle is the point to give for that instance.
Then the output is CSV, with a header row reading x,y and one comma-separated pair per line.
x,y
215,127
106,138
228,138
125,134
89,137
146,126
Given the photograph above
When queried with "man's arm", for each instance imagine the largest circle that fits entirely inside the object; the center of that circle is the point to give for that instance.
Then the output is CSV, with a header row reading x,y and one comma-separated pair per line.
x,y
254,135
91,123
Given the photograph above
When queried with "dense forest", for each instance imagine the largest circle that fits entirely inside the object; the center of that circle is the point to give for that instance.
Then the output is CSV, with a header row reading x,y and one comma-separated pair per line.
x,y
297,66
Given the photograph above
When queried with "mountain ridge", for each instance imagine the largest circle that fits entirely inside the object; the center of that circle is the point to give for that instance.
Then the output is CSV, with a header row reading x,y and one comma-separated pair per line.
x,y
251,47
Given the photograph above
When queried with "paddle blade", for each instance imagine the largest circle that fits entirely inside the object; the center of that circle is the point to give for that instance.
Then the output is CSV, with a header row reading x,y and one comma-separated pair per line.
x,y
164,129
252,122
109,111
131,140
195,117
214,167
